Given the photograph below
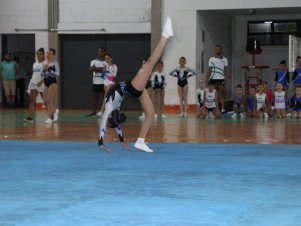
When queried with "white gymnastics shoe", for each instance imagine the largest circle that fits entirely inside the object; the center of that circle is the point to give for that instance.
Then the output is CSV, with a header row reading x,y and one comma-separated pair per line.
x,y
167,30
141,145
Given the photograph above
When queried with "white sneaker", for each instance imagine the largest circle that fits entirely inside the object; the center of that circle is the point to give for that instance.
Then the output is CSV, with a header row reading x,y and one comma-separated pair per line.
x,y
99,114
56,115
211,115
242,115
185,115
288,115
163,116
234,115
181,115
265,115
142,116
143,147
167,30
156,116
48,120
223,110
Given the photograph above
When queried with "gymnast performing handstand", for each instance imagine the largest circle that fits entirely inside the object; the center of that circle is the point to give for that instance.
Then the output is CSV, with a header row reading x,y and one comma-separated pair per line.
x,y
136,88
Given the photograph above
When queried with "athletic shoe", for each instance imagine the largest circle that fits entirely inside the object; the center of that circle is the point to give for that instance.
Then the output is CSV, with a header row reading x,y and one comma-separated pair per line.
x,y
143,147
91,114
234,115
223,110
28,119
56,115
242,115
142,116
181,115
48,120
265,115
156,116
211,115
99,114
185,115
163,116
289,115
167,30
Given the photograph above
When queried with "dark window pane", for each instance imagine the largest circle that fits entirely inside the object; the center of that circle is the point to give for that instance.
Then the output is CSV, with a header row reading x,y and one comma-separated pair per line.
x,y
260,27
285,27
263,39
280,39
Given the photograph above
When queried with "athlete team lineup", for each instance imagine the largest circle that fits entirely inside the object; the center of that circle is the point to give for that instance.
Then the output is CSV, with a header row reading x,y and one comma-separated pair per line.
x,y
259,102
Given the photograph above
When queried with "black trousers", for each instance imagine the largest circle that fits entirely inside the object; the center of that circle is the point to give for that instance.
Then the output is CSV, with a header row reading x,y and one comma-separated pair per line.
x,y
20,92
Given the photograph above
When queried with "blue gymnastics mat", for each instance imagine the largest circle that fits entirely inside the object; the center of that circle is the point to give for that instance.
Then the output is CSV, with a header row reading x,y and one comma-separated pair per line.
x,y
76,183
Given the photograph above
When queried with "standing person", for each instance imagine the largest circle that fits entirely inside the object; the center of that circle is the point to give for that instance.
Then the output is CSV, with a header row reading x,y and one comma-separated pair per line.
x,y
109,76
50,72
97,66
200,93
8,69
297,73
250,102
261,102
279,101
158,83
20,84
239,100
282,76
183,73
136,88
36,84
211,109
217,71
296,103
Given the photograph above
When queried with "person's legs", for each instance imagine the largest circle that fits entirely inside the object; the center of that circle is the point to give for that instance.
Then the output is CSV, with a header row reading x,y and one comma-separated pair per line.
x,y
162,95
22,91
221,95
180,92
185,101
32,100
51,93
148,108
156,100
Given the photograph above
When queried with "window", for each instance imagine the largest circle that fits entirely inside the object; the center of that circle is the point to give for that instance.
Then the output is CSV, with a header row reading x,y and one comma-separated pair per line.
x,y
274,32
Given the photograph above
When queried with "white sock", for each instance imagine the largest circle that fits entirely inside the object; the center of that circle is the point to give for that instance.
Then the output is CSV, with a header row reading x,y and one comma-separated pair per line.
x,y
140,140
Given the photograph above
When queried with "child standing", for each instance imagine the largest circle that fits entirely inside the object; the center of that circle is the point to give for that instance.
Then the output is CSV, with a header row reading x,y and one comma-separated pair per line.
x,y
282,76
211,109
238,106
296,103
158,83
279,101
250,102
200,92
297,73
261,103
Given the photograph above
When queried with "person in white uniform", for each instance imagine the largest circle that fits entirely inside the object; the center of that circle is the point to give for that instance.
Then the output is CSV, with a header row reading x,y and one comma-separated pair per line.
x,y
36,84
217,71
279,101
261,103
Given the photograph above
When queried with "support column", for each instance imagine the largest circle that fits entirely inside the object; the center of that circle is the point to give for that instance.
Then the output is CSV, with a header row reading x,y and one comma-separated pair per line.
x,y
156,17
53,38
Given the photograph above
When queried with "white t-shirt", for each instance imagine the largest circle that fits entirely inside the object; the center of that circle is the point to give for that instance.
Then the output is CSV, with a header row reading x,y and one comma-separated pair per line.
x,y
37,69
110,76
97,80
218,67
210,98
279,100
260,100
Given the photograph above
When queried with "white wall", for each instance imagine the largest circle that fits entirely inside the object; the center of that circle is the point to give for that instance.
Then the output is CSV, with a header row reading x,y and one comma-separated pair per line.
x,y
115,16
184,15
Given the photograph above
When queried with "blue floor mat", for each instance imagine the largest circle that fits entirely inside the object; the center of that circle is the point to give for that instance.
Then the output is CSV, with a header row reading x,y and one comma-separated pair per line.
x,y
76,183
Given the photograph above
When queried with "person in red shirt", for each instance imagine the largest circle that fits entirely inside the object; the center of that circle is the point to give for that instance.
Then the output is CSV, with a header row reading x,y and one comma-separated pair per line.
x,y
269,94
